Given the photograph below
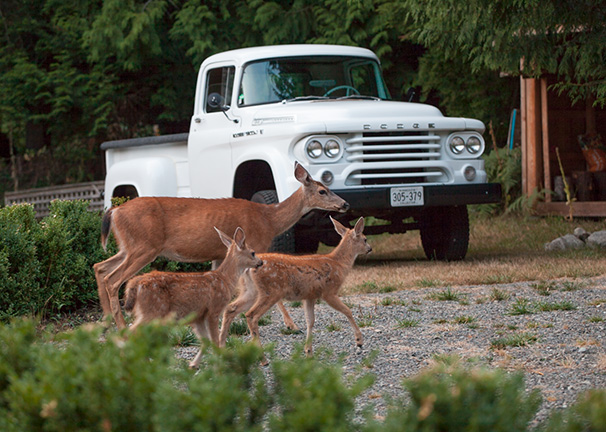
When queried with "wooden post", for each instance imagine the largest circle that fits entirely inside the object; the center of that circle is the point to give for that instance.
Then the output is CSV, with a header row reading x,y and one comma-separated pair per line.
x,y
545,129
533,136
523,124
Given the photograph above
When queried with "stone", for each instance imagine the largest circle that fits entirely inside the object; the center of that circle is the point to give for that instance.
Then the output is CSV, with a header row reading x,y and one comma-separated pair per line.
x,y
566,242
597,240
581,234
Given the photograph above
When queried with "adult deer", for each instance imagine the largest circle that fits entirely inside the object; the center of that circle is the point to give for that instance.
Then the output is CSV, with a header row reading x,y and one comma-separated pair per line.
x,y
307,278
181,229
203,296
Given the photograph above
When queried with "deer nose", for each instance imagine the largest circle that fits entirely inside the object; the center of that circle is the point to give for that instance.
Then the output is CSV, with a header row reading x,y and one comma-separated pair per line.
x,y
345,206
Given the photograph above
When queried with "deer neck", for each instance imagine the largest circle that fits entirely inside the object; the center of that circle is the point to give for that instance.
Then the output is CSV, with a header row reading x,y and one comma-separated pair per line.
x,y
230,271
344,254
288,212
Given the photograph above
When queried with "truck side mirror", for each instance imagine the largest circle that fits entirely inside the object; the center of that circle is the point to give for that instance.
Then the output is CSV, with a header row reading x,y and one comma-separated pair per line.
x,y
410,95
215,101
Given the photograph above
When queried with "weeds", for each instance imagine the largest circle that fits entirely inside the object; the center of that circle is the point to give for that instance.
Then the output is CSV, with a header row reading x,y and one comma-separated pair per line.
x,y
446,295
521,306
549,307
543,288
515,340
499,295
407,323
464,320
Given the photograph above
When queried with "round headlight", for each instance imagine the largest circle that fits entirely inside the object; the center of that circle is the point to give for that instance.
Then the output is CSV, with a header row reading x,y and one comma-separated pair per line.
x,y
327,178
314,149
474,145
332,148
470,173
457,145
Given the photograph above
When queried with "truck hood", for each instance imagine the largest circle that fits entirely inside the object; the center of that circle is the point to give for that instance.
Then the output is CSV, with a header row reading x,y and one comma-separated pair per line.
x,y
334,116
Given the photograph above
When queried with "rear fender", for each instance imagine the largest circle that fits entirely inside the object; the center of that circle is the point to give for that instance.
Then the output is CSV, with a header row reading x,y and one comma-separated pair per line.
x,y
152,176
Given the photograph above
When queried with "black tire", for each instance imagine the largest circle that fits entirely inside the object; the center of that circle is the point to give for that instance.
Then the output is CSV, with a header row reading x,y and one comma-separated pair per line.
x,y
306,242
285,242
445,233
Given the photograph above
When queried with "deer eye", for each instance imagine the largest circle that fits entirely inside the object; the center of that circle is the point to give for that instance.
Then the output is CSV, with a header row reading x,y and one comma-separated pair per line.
x,y
253,254
323,192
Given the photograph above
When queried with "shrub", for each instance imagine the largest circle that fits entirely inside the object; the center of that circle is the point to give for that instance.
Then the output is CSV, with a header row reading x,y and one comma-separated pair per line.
x,y
587,414
46,266
449,397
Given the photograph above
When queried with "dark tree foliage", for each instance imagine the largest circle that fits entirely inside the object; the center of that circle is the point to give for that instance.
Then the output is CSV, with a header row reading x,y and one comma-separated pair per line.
x,y
74,74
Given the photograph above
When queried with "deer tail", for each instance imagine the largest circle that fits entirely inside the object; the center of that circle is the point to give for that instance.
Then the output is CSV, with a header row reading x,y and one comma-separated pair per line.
x,y
106,224
130,296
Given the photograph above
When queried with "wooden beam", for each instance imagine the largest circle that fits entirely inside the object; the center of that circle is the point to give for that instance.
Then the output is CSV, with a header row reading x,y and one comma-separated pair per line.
x,y
523,123
533,136
579,209
545,133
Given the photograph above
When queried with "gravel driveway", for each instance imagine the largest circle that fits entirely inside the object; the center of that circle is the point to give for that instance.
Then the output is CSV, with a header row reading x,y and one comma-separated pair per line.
x,y
565,354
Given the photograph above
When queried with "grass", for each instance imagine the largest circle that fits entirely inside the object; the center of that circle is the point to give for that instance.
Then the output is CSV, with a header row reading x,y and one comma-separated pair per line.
x,y
549,307
445,295
514,340
407,323
503,249
521,306
499,295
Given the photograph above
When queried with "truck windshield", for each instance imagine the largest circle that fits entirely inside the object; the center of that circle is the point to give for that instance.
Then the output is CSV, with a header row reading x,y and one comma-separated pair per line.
x,y
274,80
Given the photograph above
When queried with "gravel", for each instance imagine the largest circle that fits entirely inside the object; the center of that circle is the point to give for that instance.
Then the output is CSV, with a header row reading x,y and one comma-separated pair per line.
x,y
407,329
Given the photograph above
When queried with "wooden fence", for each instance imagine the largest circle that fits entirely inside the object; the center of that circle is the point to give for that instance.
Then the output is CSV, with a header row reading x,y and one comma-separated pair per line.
x,y
42,197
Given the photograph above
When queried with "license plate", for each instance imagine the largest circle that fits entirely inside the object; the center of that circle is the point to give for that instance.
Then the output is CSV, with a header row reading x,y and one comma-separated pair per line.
x,y
407,196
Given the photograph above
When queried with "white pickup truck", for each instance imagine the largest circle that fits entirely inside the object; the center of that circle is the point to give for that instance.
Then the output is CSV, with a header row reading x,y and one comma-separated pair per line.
x,y
257,110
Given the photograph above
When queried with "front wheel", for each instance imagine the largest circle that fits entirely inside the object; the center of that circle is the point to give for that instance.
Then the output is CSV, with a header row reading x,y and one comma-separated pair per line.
x,y
445,233
285,242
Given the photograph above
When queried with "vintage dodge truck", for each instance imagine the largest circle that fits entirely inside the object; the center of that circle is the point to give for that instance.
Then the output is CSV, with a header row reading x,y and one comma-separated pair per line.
x,y
258,110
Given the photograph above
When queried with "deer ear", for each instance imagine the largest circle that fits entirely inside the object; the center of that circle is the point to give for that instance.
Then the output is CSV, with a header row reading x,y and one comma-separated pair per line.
x,y
301,174
239,237
224,237
359,226
339,227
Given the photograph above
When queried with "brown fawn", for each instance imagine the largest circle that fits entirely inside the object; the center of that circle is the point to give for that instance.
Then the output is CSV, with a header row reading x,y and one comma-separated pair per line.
x,y
181,229
201,296
307,278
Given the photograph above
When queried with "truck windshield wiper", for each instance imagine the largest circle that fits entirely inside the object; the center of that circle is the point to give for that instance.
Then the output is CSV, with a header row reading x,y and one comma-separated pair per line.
x,y
364,97
303,98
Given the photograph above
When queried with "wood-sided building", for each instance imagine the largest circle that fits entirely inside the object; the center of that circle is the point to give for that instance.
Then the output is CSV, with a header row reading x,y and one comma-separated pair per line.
x,y
548,122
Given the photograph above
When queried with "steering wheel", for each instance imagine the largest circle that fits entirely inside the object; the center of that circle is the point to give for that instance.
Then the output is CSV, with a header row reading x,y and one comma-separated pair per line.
x,y
342,87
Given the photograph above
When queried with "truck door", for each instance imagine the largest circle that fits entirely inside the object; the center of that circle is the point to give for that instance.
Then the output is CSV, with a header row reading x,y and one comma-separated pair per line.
x,y
209,148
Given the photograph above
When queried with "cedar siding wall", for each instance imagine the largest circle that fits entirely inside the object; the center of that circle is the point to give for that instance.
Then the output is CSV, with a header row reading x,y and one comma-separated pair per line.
x,y
550,121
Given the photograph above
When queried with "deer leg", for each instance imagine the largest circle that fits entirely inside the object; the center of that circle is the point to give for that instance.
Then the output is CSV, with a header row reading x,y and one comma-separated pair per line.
x,y
288,322
101,270
199,328
212,327
337,304
129,266
310,320
243,303
262,305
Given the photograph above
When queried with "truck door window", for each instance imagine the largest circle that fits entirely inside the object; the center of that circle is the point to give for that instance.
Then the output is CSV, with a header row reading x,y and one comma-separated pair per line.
x,y
219,82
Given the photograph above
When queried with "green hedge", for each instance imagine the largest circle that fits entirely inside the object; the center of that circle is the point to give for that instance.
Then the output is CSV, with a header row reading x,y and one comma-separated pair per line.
x,y
46,266
75,382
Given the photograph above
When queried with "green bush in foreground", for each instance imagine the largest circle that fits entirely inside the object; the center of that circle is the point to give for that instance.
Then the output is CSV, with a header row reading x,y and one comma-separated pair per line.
x,y
74,382
451,398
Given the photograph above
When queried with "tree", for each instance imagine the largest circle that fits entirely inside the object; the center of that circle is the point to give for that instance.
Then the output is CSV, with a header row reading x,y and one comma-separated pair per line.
x,y
562,37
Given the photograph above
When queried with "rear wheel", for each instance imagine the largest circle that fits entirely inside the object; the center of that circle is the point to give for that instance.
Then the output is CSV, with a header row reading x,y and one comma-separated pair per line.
x,y
285,242
445,233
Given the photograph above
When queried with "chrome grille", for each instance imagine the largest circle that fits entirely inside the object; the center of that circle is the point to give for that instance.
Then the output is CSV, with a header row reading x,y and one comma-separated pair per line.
x,y
404,152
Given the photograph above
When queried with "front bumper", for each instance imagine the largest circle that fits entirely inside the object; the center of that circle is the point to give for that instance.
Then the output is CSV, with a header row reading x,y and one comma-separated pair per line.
x,y
378,198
